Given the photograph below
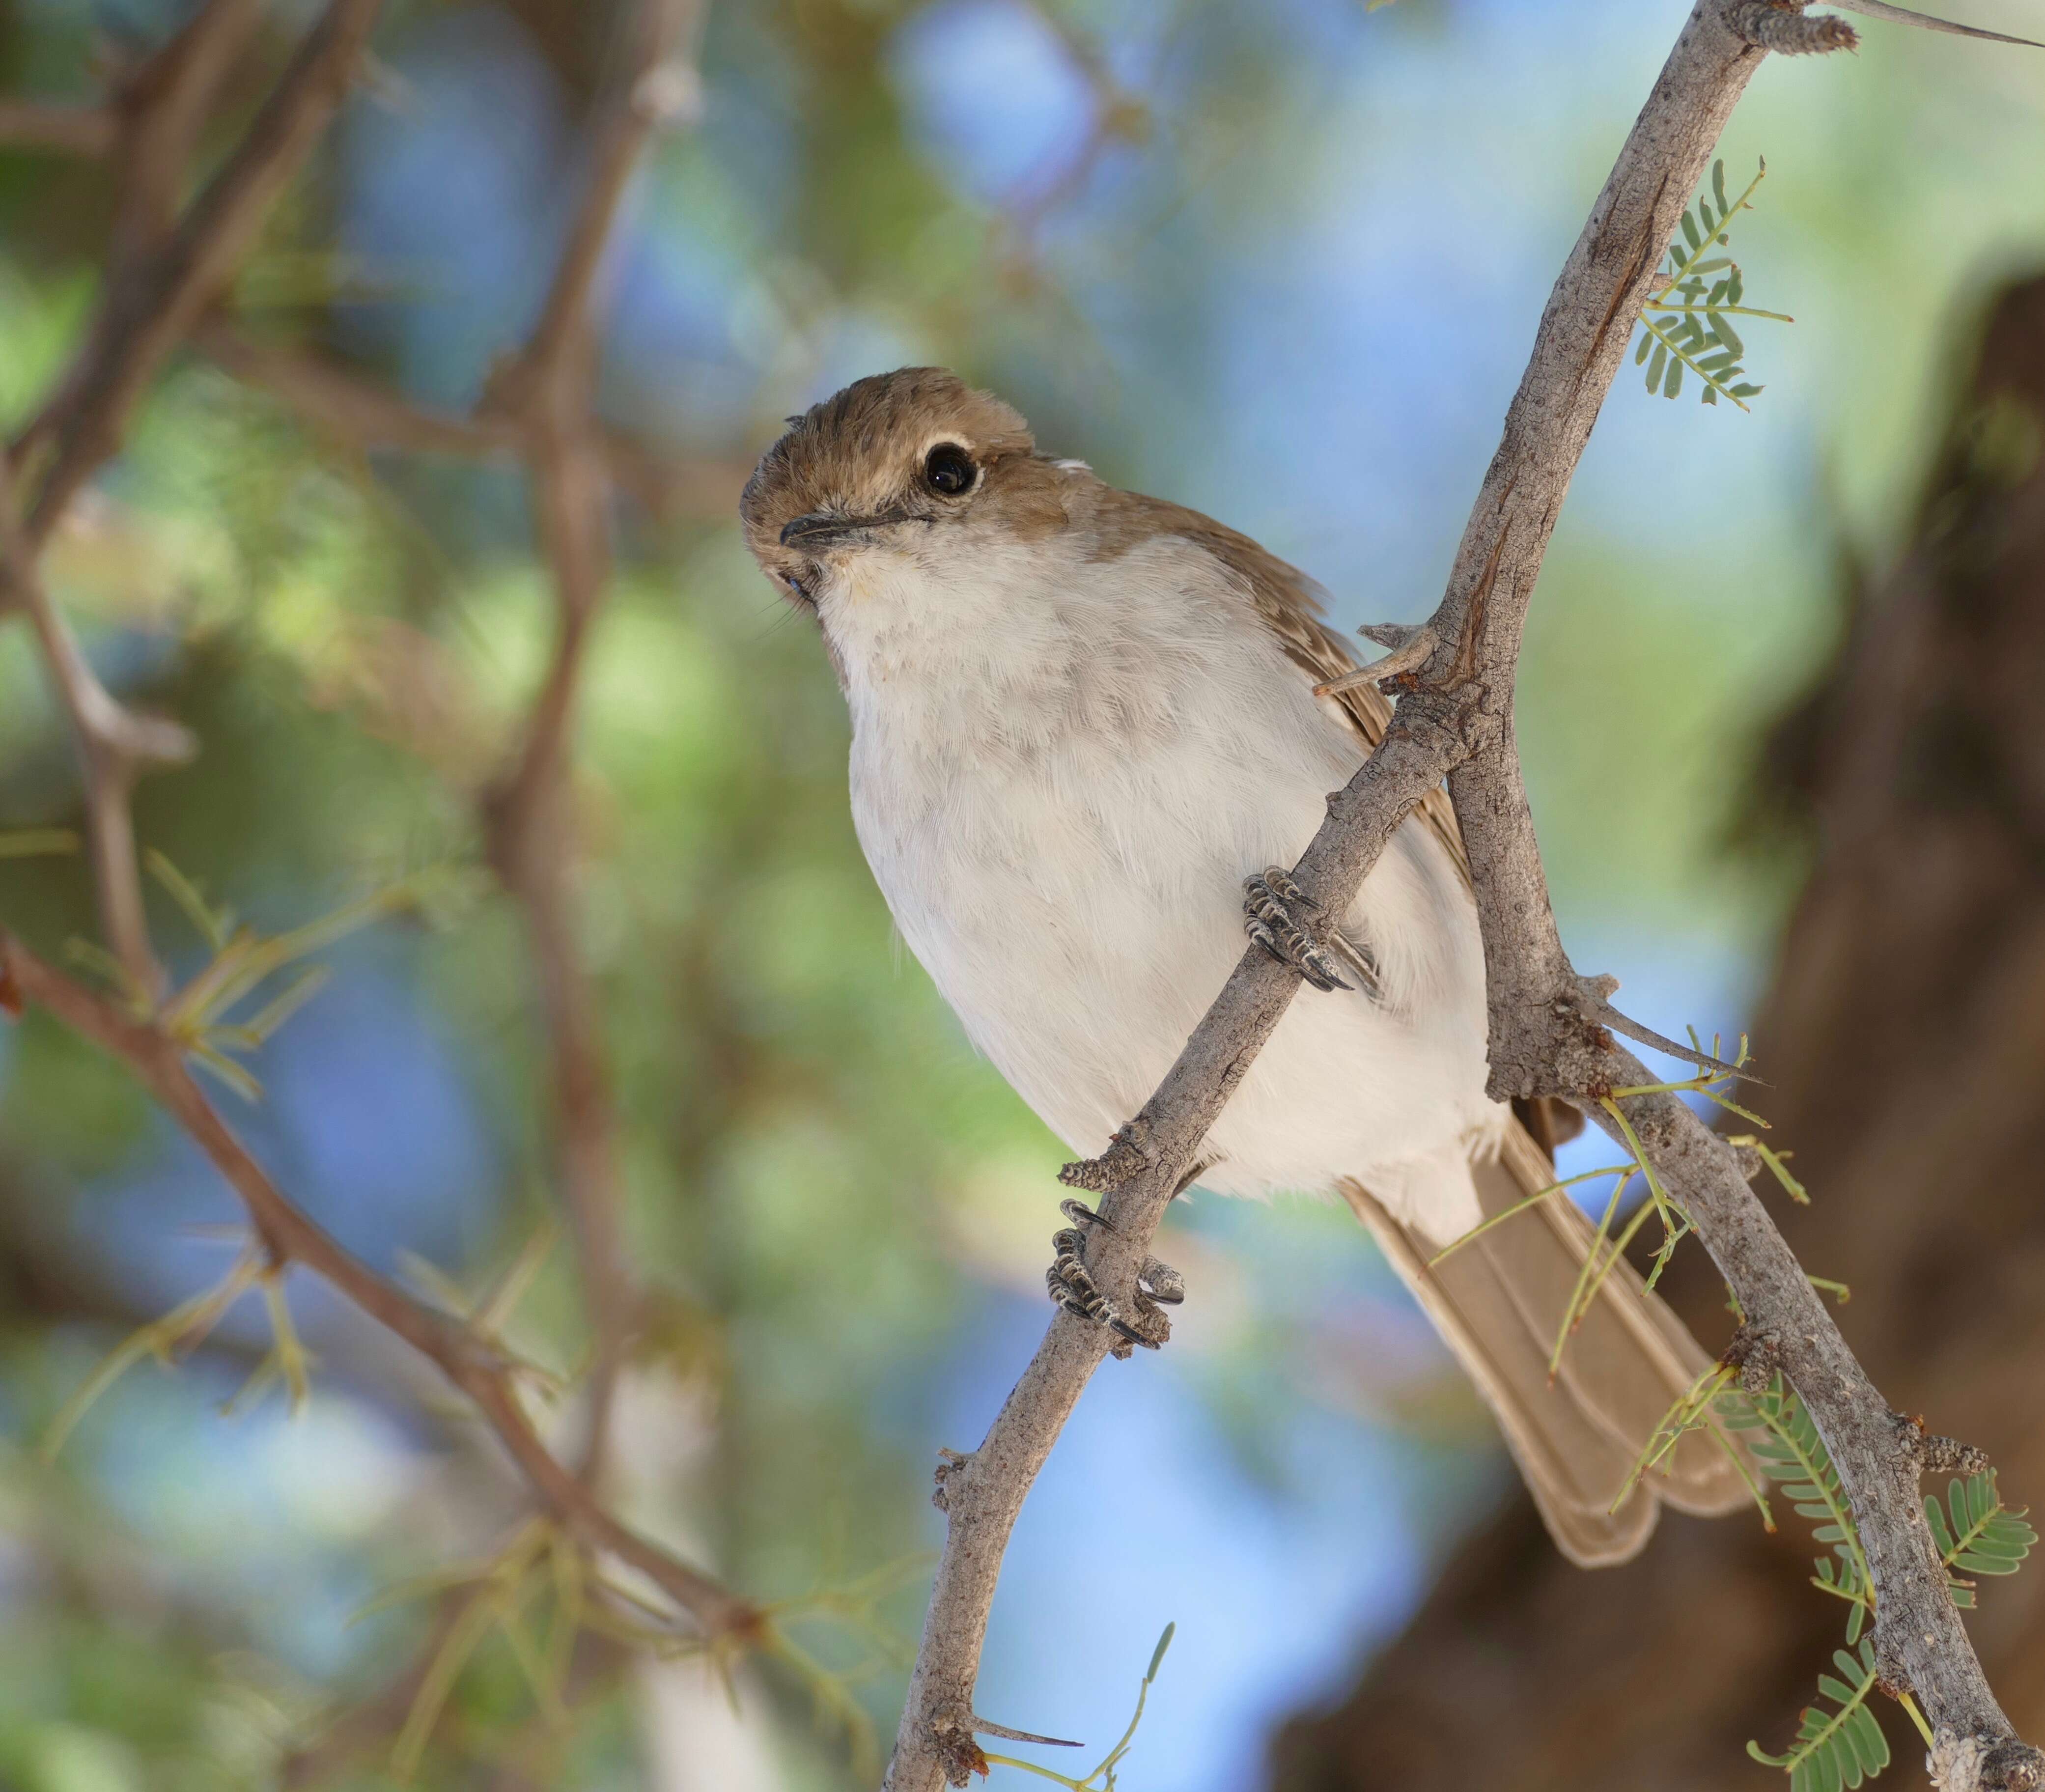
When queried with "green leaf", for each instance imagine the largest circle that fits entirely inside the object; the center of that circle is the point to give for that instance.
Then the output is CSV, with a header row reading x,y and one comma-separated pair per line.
x,y
1654,367
1157,1654
1839,1749
1718,188
1647,342
1691,233
1728,336
1975,1532
1674,384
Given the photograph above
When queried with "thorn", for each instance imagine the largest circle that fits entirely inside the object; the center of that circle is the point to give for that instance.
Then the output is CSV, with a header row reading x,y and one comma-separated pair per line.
x,y
1394,635
1902,15
1409,652
983,1727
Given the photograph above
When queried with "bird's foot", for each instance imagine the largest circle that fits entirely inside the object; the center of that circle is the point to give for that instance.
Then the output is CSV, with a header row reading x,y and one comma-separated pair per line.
x,y
1269,901
1070,1284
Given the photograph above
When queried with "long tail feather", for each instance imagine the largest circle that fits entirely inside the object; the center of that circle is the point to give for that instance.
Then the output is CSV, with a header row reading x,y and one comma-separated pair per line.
x,y
1500,1301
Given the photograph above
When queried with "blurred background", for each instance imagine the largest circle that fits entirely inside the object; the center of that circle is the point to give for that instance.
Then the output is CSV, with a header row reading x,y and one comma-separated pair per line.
x,y
1282,263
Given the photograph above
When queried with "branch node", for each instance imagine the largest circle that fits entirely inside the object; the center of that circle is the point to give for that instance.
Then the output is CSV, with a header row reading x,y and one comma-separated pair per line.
x,y
1782,26
1127,1156
1410,647
949,1462
2011,1766
1936,1454
1981,1763
959,1756
1757,1356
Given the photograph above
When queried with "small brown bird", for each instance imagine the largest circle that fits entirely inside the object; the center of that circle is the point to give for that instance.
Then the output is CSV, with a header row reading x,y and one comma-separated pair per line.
x,y
1084,723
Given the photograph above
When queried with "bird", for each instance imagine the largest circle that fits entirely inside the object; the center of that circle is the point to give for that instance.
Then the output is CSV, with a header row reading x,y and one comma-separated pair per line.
x,y
1085,741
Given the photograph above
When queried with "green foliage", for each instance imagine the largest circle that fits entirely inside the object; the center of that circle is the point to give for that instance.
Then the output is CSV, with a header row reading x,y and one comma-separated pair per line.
x,y
1838,1748
1976,1533
187,1326
1788,1450
244,960
1102,1778
1687,321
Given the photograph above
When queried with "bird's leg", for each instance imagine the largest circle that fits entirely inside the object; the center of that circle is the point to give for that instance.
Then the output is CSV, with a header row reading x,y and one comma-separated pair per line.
x,y
1269,901
1072,1285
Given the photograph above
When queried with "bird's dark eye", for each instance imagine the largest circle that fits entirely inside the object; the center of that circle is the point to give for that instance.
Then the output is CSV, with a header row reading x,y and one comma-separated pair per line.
x,y
949,469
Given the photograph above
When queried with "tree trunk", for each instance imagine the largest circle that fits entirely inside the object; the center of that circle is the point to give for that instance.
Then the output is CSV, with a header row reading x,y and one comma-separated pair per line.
x,y
1905,1039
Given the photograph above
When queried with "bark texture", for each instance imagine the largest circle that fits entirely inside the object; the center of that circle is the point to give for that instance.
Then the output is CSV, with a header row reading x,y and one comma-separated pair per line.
x,y
1905,1035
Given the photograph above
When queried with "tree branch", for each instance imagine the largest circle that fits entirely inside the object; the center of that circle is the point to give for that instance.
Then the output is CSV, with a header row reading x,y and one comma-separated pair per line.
x,y
472,1362
114,746
75,130
548,394
1454,720
366,416
151,306
162,108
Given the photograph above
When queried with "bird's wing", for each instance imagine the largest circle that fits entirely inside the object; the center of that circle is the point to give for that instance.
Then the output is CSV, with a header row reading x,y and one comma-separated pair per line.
x,y
1292,606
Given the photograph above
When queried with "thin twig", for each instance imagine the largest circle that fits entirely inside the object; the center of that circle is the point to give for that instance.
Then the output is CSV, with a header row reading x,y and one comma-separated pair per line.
x,y
114,745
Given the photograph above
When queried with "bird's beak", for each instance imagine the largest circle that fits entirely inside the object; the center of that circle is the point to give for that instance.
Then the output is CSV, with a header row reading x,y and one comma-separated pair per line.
x,y
822,530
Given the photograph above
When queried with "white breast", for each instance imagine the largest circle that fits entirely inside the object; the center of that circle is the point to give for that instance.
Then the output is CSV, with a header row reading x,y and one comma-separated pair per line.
x,y
1061,771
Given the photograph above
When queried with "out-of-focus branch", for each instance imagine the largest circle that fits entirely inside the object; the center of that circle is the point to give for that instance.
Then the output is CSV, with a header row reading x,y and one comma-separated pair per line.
x,y
548,393
151,306
114,746
1547,1025
1119,116
366,415
75,130
472,1362
162,108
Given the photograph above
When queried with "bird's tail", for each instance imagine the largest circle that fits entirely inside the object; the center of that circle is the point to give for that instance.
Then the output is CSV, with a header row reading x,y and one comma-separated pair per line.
x,y
1500,1301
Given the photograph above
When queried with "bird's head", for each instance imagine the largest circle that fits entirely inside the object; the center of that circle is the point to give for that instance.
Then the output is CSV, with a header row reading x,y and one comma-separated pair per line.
x,y
913,466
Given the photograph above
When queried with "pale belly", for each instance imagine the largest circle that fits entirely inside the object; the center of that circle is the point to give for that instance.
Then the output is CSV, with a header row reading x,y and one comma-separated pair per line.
x,y
1080,913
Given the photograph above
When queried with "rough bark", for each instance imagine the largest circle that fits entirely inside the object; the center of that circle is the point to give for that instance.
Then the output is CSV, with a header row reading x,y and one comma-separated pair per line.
x,y
1904,1037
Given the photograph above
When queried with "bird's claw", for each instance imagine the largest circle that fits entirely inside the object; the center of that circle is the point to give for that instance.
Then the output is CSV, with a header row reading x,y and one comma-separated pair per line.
x,y
1072,1285
1268,899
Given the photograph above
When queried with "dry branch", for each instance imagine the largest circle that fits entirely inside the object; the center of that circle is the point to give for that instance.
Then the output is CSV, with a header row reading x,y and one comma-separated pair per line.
x,y
1547,1025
